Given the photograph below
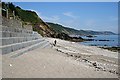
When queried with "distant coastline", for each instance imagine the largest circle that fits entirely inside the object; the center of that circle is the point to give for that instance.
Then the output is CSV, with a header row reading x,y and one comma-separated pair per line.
x,y
114,49
104,41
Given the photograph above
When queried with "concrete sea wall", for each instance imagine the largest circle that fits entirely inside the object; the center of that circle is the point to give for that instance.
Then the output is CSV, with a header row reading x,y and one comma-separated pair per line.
x,y
14,37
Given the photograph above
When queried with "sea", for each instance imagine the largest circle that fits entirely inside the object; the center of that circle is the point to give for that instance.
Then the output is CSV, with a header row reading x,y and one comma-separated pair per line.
x,y
113,41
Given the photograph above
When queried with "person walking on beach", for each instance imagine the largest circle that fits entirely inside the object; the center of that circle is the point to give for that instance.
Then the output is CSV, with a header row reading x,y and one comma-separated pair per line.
x,y
55,42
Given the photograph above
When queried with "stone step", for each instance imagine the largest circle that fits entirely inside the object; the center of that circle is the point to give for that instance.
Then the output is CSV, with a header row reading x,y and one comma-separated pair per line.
x,y
35,46
17,30
15,34
48,45
0,27
12,40
13,47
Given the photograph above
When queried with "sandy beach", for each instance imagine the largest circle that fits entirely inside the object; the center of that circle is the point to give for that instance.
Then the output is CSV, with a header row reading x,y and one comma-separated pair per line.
x,y
65,60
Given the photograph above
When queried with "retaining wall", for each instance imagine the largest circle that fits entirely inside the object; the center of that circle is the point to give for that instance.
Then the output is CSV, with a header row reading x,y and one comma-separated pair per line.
x,y
14,37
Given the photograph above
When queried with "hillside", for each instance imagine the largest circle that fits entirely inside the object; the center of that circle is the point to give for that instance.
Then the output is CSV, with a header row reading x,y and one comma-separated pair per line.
x,y
46,29
31,18
27,17
70,31
61,29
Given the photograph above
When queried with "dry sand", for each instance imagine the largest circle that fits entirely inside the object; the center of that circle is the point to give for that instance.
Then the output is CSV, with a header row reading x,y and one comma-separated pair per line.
x,y
65,60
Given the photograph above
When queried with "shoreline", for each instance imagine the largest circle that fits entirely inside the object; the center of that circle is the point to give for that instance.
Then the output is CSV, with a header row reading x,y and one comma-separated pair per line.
x,y
89,58
65,60
110,48
114,49
70,43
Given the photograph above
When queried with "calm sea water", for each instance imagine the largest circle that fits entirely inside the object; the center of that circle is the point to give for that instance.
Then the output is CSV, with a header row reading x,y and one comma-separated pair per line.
x,y
112,43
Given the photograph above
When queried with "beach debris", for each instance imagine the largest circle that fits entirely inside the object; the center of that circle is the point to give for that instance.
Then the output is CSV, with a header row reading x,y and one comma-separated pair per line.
x,y
85,60
72,55
10,65
94,64
88,59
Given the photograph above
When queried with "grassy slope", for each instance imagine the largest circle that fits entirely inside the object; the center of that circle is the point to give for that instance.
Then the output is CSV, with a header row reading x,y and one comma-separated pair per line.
x,y
27,16
71,31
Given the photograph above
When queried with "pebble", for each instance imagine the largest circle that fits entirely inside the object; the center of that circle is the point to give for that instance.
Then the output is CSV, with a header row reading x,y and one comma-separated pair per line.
x,y
10,65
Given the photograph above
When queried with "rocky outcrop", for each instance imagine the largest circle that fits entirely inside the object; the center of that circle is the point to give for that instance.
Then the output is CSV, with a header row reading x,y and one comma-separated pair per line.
x,y
43,29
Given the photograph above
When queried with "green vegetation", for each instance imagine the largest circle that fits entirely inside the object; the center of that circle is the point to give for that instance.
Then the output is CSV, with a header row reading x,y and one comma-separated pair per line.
x,y
27,17
24,15
45,29
61,29
70,31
